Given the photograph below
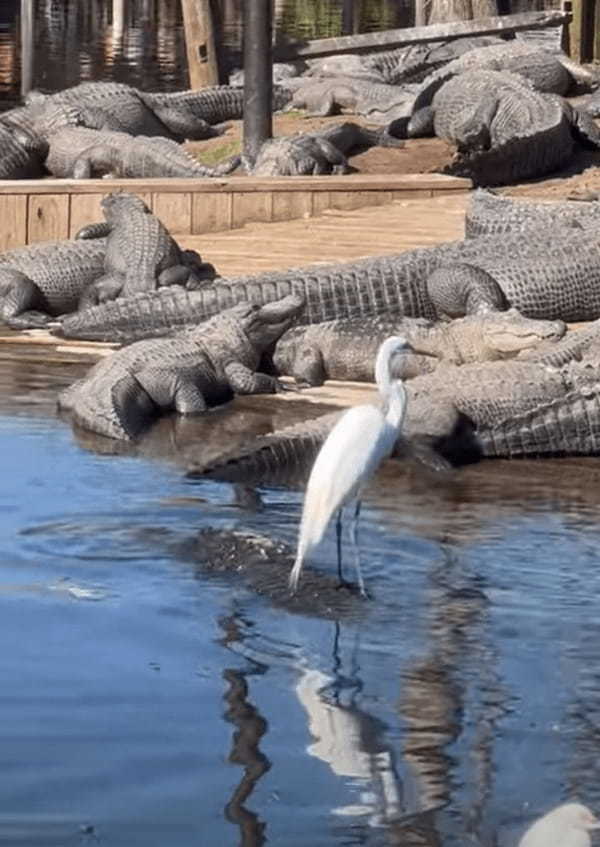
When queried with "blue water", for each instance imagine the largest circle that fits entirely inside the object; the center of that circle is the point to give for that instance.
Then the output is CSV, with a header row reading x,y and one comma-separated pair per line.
x,y
145,701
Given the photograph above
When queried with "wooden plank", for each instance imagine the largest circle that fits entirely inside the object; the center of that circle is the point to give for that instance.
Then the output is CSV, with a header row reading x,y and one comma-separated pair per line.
x,y
321,202
13,221
200,43
174,210
85,209
47,217
251,207
350,182
289,205
497,25
211,212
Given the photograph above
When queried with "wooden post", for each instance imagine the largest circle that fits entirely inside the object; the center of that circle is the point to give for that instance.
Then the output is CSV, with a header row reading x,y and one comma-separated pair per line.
x,y
118,22
258,75
421,12
596,55
26,46
203,66
581,30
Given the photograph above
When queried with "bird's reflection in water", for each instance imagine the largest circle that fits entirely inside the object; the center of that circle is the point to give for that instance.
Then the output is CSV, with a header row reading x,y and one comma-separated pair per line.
x,y
349,740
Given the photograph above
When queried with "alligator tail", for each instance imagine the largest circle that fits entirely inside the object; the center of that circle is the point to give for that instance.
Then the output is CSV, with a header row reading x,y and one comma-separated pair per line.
x,y
282,457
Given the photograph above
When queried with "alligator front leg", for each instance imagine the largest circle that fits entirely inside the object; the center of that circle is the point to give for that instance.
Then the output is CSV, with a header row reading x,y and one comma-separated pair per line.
x,y
102,229
105,288
462,289
21,301
177,387
243,380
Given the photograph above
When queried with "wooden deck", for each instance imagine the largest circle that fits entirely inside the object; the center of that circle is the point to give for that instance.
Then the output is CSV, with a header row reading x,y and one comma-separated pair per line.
x,y
335,236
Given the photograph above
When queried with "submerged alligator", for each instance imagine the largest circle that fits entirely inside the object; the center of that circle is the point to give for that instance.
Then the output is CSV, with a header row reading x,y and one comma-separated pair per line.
x,y
443,281
44,280
82,153
188,372
346,349
140,253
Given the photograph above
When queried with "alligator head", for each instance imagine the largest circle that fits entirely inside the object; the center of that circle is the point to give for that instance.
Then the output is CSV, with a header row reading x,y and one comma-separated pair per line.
x,y
264,325
509,332
122,203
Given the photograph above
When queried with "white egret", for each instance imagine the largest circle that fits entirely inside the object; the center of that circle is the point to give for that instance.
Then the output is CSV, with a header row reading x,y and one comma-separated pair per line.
x,y
352,452
565,826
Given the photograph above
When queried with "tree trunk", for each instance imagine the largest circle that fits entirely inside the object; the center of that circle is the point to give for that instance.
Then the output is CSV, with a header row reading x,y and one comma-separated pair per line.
x,y
461,10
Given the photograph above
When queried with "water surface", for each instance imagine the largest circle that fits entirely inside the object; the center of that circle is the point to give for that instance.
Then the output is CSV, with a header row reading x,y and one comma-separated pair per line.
x,y
146,700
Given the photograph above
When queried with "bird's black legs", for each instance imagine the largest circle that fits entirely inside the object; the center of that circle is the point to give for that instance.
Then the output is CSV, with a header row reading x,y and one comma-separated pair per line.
x,y
353,539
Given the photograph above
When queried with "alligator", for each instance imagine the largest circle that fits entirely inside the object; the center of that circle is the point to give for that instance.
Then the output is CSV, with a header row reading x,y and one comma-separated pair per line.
x,y
314,153
187,372
492,409
346,349
82,153
179,115
550,275
140,253
45,280
376,101
400,65
490,213
503,129
549,72
23,153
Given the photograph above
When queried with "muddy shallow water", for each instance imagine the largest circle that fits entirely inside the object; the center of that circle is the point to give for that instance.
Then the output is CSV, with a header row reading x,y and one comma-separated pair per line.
x,y
154,695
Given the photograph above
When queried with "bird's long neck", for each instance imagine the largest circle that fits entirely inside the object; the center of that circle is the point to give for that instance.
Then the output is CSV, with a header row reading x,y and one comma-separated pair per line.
x,y
392,391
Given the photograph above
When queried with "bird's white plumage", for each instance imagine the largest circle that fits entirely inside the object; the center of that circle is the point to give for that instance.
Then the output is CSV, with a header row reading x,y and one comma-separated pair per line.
x,y
565,826
350,455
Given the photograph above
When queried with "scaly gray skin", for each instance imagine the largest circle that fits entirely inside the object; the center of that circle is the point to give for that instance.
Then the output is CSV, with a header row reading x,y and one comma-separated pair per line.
x,y
347,349
508,409
504,130
552,73
316,152
81,153
41,281
178,115
22,153
397,66
140,253
492,409
549,275
378,102
187,372
277,457
495,214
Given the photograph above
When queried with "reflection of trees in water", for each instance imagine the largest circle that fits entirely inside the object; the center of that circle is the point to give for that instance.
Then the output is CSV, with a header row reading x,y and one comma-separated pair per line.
x,y
250,728
141,41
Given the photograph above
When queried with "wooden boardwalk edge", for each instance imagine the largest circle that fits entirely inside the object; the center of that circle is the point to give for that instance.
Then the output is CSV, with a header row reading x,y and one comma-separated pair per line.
x,y
47,210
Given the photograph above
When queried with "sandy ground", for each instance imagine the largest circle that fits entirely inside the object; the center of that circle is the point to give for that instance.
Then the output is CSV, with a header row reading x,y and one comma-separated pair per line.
x,y
422,155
